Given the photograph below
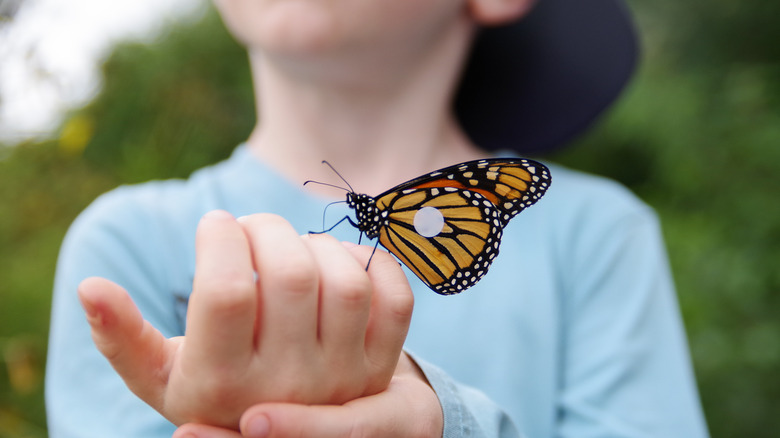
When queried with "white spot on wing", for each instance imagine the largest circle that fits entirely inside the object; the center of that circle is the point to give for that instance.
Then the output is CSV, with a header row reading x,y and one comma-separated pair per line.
x,y
428,222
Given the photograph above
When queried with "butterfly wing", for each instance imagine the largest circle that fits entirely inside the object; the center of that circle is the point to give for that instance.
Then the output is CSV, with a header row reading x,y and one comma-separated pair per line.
x,y
511,184
447,236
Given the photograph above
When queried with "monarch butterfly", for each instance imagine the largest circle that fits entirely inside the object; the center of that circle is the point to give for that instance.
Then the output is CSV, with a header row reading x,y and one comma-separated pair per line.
x,y
446,226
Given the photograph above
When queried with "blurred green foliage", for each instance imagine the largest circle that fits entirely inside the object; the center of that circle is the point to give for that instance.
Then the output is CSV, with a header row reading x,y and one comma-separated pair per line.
x,y
165,110
697,136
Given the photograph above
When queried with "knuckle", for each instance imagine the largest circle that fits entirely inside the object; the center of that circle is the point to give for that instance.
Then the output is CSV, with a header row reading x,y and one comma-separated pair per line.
x,y
295,274
226,294
382,258
263,220
401,305
352,291
323,238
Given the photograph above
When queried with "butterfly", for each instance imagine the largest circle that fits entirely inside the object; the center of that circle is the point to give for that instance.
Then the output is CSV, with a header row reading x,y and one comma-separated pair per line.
x,y
446,226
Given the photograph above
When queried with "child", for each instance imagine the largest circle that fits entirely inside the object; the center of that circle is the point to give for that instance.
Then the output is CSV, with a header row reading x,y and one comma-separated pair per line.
x,y
574,332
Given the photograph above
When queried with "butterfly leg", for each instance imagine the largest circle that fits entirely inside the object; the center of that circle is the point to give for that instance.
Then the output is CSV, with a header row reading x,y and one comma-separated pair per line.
x,y
360,238
347,218
372,253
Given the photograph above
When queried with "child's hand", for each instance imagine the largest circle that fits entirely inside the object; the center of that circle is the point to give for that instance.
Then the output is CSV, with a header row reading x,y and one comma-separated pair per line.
x,y
407,408
311,327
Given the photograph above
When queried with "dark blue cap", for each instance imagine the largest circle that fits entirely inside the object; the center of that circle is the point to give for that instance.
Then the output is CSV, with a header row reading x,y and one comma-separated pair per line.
x,y
533,85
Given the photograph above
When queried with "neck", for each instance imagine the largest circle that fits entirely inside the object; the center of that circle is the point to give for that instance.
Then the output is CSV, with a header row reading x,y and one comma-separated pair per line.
x,y
383,120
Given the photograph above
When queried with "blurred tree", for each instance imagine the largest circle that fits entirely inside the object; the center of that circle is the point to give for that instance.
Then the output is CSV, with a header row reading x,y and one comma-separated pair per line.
x,y
165,110
169,108
697,136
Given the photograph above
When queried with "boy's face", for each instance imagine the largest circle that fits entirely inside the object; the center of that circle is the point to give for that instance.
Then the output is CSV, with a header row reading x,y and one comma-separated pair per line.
x,y
309,27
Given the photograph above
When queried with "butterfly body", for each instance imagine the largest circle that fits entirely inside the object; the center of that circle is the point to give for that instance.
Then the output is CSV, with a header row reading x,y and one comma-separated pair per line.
x,y
369,219
446,226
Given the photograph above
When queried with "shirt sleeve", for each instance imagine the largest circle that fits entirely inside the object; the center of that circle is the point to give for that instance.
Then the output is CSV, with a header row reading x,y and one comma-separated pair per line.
x,y
467,411
84,395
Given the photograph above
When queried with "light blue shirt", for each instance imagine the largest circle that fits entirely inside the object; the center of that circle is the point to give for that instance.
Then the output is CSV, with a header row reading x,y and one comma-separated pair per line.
x,y
574,332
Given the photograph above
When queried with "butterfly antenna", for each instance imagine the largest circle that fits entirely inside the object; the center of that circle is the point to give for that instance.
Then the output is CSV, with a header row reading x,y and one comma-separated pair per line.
x,y
326,184
339,175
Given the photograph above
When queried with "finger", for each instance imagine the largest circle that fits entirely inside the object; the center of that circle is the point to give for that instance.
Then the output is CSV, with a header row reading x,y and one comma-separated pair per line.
x,y
223,306
287,420
192,430
138,352
391,309
408,407
345,301
288,283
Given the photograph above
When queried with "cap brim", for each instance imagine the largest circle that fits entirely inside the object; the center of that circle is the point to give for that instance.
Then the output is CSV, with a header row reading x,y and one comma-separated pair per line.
x,y
534,85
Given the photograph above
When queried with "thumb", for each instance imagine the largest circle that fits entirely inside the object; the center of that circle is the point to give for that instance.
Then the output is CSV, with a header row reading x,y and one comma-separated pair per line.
x,y
408,407
279,420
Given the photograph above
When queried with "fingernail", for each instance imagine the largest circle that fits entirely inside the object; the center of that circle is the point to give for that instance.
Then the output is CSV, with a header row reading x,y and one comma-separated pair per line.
x,y
89,308
258,427
94,317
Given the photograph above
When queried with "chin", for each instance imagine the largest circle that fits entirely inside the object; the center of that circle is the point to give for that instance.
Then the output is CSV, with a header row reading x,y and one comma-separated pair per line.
x,y
290,27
